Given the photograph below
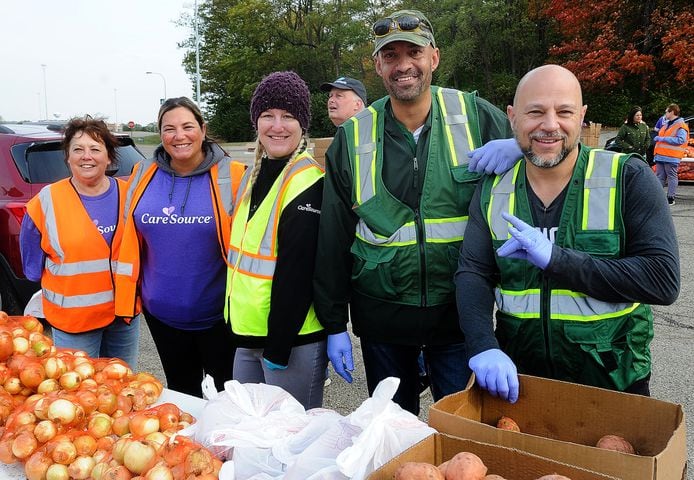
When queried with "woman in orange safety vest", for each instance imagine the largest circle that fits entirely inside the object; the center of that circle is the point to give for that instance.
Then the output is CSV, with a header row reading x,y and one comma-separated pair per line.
x,y
671,143
69,239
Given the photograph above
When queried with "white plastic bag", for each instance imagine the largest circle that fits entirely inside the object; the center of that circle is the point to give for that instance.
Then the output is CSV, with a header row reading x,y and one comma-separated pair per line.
x,y
387,430
311,453
246,415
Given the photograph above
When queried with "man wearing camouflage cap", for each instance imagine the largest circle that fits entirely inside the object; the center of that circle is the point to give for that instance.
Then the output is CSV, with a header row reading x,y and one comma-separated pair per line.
x,y
397,191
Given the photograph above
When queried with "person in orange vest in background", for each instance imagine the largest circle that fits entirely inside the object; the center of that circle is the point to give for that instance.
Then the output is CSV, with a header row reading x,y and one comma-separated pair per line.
x,y
671,143
68,240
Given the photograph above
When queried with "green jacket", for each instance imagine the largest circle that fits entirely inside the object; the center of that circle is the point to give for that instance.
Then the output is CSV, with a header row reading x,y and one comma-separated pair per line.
x,y
407,255
558,333
634,138
404,167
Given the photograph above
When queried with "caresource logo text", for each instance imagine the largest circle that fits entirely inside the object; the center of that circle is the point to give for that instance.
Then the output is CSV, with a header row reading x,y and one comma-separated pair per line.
x,y
175,219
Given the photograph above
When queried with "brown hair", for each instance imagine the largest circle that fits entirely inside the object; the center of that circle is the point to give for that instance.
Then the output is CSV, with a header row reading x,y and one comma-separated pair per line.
x,y
96,129
189,105
674,108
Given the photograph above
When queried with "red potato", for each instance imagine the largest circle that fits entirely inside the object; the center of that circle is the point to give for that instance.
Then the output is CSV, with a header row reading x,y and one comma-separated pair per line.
x,y
418,471
444,466
466,466
554,476
494,476
507,423
616,443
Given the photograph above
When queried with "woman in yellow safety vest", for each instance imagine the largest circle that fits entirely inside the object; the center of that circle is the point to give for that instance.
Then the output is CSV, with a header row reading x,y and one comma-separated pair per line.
x,y
269,298
69,240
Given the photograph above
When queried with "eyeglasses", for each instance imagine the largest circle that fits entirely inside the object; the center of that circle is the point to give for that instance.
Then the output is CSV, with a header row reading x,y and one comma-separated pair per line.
x,y
406,23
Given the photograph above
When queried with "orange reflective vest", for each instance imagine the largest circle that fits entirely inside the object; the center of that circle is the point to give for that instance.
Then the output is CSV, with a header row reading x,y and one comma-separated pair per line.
x,y
667,149
226,176
77,279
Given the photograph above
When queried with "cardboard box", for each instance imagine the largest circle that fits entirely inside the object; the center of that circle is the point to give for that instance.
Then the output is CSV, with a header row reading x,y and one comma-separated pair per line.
x,y
559,420
507,462
318,147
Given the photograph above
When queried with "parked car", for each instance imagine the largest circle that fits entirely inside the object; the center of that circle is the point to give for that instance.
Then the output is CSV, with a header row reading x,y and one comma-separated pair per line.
x,y
31,157
685,171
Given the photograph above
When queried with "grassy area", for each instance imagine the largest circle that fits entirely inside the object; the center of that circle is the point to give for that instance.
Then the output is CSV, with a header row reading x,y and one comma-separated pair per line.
x,y
149,140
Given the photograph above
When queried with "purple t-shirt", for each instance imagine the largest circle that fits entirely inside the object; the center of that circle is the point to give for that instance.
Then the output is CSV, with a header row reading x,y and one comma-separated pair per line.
x,y
103,211
183,270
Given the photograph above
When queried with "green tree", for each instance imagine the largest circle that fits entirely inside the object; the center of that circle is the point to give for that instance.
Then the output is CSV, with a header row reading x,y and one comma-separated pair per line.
x,y
242,41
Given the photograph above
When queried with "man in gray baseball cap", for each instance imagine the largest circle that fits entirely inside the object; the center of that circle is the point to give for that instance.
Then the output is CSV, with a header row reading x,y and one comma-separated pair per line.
x,y
347,97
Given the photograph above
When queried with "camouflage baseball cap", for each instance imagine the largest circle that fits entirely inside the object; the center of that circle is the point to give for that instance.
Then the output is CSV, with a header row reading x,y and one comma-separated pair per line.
x,y
406,26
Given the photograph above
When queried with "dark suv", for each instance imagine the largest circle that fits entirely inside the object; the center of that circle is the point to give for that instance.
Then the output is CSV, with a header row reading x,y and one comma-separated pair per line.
x,y
30,158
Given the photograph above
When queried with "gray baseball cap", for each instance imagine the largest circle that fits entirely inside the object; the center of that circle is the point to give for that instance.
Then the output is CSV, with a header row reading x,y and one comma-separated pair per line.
x,y
405,26
347,83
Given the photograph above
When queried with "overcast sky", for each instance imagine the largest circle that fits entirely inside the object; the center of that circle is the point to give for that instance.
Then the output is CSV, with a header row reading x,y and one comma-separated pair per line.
x,y
96,54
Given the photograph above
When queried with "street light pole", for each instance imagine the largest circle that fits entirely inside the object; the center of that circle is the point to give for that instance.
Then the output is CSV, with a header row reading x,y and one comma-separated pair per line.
x,y
115,104
163,79
197,57
45,95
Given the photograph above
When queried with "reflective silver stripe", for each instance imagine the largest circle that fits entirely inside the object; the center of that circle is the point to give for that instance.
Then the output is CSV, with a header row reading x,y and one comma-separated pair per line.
x,y
405,235
521,304
77,268
568,305
564,305
600,187
445,230
457,128
503,199
365,151
253,265
46,202
123,268
438,230
224,184
72,301
134,182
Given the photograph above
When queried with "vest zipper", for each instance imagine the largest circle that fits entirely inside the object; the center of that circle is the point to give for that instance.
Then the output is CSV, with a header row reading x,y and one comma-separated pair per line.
x,y
545,317
420,235
422,262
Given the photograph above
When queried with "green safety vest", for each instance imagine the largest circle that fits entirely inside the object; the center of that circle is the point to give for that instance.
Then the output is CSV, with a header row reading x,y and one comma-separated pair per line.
x,y
560,333
253,250
402,255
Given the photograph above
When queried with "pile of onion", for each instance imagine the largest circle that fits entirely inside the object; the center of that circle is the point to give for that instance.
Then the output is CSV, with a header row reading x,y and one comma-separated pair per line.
x,y
68,416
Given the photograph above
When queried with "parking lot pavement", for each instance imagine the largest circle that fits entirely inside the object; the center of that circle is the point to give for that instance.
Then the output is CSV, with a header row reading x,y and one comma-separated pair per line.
x,y
673,345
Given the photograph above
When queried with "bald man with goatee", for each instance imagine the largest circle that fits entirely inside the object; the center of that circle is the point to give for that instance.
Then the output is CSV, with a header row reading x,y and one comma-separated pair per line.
x,y
573,244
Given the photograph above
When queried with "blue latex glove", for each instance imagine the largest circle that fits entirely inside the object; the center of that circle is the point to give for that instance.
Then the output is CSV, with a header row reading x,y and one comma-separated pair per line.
x,y
495,156
340,355
526,243
657,139
496,373
273,366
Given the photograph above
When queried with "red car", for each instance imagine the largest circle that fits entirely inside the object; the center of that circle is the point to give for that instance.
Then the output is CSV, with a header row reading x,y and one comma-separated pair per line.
x,y
31,157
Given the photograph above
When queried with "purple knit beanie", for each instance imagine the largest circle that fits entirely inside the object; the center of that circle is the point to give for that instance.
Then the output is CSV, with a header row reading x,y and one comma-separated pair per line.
x,y
285,91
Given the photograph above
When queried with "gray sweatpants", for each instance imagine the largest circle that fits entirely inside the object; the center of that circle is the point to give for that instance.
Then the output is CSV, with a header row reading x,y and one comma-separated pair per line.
x,y
303,378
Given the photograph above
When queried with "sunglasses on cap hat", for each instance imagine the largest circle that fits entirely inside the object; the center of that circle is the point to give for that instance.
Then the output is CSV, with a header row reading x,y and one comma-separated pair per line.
x,y
406,23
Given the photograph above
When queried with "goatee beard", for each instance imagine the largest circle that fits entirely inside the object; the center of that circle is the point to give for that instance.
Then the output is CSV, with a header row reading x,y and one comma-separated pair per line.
x,y
552,162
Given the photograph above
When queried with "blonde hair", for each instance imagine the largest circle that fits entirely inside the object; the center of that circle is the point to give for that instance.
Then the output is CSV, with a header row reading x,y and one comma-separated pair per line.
x,y
257,162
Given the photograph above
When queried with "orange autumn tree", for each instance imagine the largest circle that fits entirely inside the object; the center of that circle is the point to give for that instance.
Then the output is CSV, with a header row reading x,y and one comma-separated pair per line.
x,y
625,51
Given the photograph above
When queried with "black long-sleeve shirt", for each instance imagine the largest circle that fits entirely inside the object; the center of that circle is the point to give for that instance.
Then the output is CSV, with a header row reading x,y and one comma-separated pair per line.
x,y
649,272
292,285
